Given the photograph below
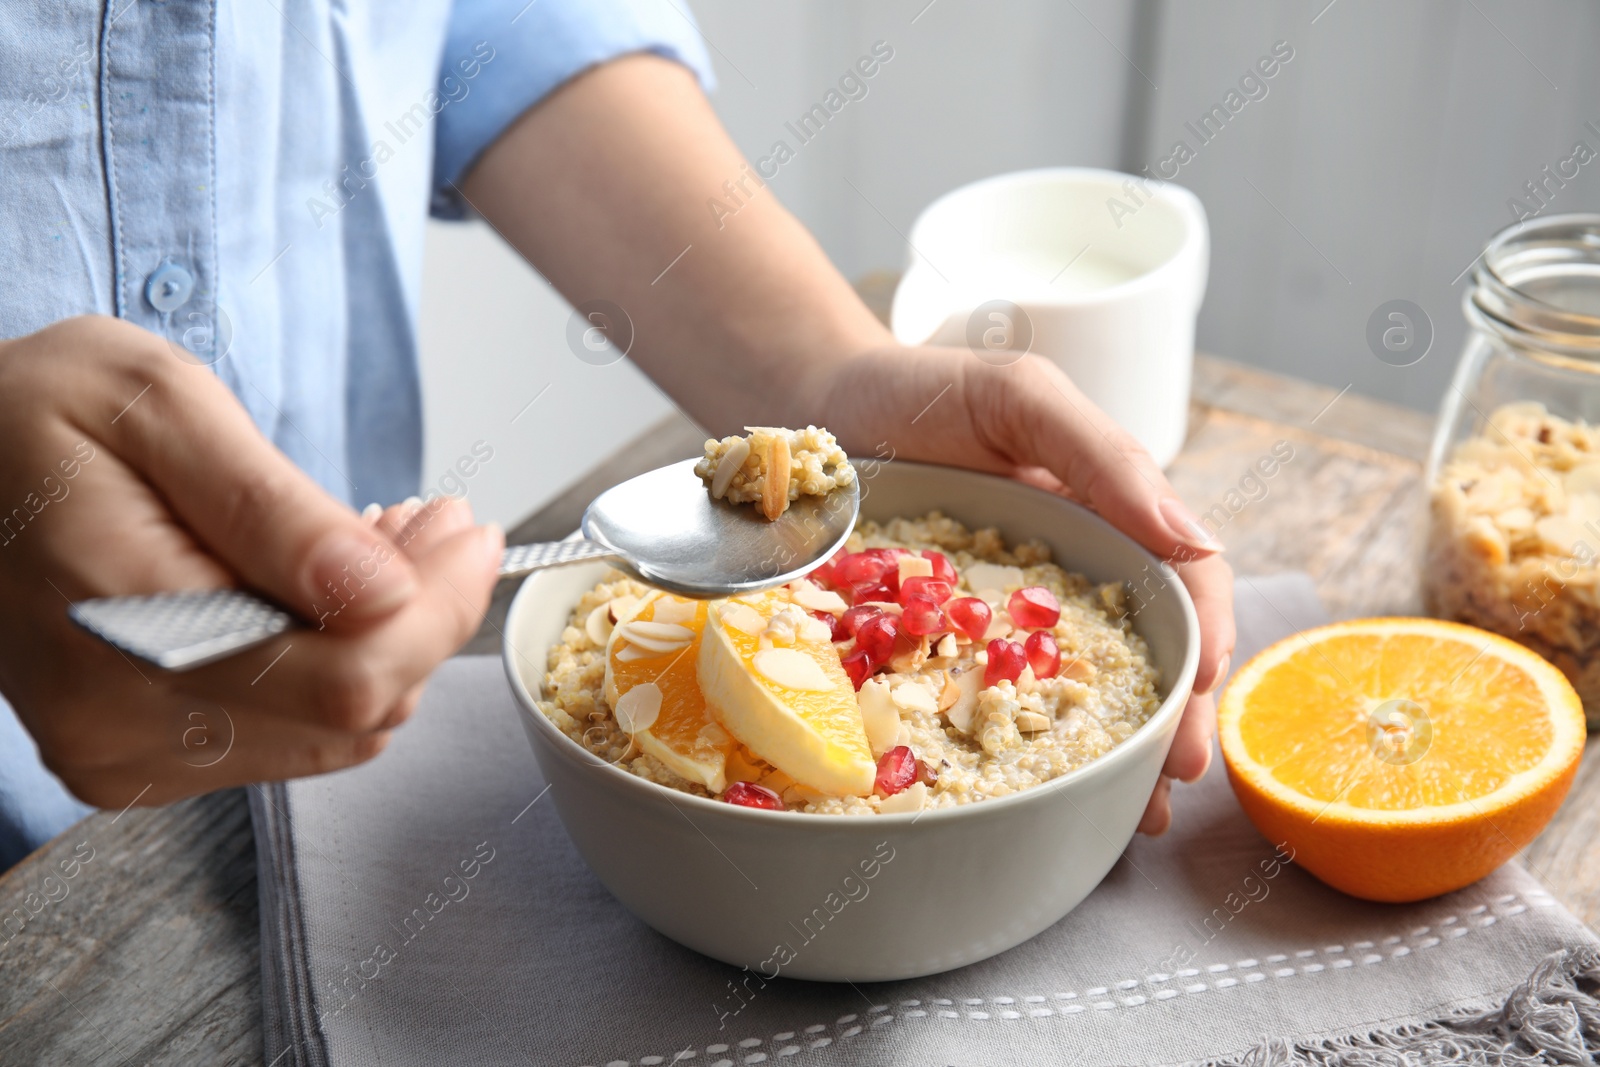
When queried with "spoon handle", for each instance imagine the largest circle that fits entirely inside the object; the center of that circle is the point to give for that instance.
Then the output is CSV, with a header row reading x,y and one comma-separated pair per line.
x,y
177,631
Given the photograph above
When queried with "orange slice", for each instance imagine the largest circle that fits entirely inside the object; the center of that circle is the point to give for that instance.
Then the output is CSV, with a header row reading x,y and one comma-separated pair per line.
x,y
1400,758
771,675
651,686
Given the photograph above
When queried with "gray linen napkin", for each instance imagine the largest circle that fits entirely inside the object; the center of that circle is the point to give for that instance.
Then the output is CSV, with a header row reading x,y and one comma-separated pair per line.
x,y
428,908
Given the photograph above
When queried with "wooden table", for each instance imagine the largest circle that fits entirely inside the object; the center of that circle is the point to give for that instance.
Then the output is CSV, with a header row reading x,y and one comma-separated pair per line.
x,y
153,957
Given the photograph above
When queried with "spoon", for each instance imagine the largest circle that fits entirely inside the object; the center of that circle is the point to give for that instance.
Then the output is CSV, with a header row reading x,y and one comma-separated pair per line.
x,y
662,527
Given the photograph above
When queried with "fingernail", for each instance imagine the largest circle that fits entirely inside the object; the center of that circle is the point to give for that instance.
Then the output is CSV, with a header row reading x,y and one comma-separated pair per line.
x,y
359,576
1223,668
1186,527
371,513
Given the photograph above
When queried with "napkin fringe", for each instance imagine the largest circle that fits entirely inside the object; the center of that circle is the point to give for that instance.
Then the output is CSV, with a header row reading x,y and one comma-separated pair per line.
x,y
1552,1018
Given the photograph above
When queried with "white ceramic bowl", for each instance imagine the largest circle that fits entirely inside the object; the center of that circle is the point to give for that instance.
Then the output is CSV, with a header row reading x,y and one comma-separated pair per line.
x,y
868,898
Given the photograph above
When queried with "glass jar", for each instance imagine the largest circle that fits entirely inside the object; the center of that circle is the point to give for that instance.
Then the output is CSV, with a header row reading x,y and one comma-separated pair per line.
x,y
1514,475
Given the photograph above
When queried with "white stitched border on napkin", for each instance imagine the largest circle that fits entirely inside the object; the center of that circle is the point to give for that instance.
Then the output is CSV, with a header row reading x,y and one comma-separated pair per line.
x,y
1363,953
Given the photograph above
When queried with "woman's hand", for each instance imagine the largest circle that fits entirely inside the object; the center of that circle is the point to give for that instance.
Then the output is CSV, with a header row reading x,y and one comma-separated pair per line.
x,y
124,469
1028,421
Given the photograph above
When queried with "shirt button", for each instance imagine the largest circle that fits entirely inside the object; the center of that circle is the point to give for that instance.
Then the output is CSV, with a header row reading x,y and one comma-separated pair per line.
x,y
169,286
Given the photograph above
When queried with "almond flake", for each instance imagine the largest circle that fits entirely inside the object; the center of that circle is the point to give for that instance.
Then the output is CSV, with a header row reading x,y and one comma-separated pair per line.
x,y
657,637
742,617
598,625
993,576
629,653
656,631
878,716
970,682
950,693
1031,722
999,626
912,798
816,631
775,486
728,466
914,696
1584,478
813,597
791,669
1079,670
673,610
915,567
639,707
623,607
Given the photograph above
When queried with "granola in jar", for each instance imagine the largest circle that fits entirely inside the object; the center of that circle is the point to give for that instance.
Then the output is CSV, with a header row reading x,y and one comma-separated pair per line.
x,y
1514,539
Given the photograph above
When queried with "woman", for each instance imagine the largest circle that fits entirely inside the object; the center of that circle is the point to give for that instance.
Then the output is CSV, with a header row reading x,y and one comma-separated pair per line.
x,y
214,221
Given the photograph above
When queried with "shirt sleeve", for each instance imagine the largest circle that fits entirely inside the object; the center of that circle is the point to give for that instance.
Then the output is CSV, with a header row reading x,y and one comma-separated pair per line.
x,y
503,56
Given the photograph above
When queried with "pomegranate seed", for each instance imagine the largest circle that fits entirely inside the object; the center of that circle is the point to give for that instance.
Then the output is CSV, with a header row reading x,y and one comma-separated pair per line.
x,y
1034,608
897,768
970,615
858,666
850,622
922,616
750,795
1006,660
824,617
877,636
943,569
879,594
861,570
847,624
1044,655
827,575
935,589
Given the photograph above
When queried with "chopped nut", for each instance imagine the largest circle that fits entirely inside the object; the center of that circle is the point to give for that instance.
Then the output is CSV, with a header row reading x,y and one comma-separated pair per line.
x,y
775,489
1078,670
1031,722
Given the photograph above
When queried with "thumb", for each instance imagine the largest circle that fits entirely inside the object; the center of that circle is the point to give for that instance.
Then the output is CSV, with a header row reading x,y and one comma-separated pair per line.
x,y
1048,422
255,510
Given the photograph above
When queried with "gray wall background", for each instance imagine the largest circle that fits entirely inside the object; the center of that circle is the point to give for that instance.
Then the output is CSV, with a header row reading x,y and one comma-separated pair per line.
x,y
1377,164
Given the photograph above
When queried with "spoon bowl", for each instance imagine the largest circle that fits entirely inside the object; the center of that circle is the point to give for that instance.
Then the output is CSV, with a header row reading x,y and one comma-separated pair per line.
x,y
665,528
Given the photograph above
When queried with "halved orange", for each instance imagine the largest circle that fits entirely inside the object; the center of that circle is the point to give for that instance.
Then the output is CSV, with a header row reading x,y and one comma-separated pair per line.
x,y
1400,758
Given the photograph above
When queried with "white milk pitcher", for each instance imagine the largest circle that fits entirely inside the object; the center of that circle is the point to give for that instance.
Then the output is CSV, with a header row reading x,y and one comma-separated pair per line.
x,y
1101,272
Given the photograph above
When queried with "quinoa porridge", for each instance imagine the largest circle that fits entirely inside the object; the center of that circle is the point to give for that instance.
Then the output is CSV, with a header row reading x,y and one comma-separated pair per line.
x,y
924,666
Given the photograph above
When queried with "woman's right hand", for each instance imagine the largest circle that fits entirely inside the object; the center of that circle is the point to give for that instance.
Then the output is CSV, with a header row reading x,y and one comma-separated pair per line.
x,y
125,469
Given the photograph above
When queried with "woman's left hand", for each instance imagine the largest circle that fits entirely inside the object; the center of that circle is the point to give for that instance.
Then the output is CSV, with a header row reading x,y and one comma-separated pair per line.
x,y
1025,419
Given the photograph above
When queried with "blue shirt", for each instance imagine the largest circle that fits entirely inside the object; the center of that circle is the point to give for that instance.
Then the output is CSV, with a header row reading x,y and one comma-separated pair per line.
x,y
252,180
